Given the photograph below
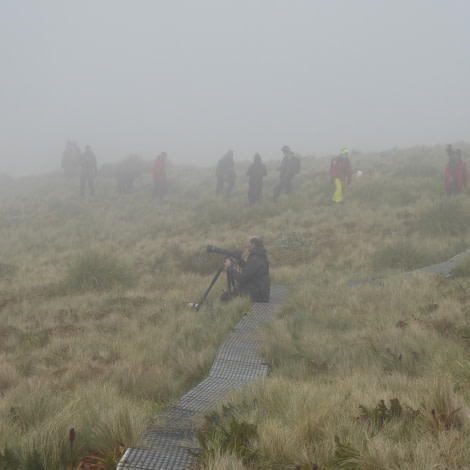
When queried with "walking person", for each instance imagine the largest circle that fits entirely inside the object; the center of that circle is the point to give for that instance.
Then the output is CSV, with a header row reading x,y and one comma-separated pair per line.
x,y
456,174
225,173
159,176
256,172
88,171
290,166
340,172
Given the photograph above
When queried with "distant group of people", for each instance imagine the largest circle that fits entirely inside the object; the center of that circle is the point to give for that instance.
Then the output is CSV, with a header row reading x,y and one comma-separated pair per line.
x,y
340,173
84,164
226,176
74,162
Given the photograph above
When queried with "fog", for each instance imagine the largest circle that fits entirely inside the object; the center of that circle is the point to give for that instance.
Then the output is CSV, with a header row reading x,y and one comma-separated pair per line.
x,y
195,78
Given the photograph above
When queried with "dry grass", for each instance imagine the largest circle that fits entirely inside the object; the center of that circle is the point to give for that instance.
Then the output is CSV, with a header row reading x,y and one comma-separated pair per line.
x,y
105,357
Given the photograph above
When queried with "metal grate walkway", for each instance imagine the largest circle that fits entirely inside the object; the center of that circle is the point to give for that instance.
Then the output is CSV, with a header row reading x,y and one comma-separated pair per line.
x,y
165,444
446,268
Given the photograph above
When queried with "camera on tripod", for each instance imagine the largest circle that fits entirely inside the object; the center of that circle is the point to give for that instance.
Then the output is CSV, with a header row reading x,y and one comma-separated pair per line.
x,y
234,254
237,254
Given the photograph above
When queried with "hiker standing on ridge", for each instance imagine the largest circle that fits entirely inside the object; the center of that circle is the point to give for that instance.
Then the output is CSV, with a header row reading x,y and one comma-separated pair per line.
x,y
340,172
290,166
456,174
71,159
159,176
88,171
226,174
256,172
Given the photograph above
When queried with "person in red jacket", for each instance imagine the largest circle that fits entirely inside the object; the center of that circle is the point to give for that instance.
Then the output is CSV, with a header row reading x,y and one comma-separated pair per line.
x,y
159,176
456,172
340,171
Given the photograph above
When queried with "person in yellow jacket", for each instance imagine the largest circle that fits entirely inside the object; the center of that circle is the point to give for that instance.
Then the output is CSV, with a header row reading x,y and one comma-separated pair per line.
x,y
340,171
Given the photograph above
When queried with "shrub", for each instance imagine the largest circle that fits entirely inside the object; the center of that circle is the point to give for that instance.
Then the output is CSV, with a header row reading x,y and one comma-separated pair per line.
x,y
97,271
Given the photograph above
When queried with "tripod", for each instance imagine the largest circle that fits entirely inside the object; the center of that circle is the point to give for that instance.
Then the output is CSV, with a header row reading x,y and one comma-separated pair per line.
x,y
230,287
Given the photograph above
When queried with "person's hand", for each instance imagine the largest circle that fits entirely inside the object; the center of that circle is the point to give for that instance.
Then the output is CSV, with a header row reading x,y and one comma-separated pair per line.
x,y
227,263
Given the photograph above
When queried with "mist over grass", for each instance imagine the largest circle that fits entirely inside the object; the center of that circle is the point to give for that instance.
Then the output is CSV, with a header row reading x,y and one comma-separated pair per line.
x,y
95,333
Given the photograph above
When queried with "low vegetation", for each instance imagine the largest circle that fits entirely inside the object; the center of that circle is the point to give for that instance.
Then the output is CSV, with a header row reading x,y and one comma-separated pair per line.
x,y
96,336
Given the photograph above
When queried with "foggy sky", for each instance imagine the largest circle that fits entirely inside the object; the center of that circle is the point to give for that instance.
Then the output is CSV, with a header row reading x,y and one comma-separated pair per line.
x,y
195,78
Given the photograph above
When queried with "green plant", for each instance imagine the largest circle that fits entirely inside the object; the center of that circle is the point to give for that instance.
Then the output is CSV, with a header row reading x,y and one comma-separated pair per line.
x,y
236,438
382,413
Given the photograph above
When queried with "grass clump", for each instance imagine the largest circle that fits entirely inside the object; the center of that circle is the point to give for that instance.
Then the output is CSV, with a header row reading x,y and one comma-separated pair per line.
x,y
400,254
446,216
96,270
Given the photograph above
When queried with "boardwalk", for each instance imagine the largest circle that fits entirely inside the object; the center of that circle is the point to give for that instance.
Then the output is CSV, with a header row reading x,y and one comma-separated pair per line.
x,y
165,444
445,269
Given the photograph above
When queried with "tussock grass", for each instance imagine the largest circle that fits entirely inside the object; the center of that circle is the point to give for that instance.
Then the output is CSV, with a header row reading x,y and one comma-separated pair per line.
x,y
404,255
97,270
446,216
96,334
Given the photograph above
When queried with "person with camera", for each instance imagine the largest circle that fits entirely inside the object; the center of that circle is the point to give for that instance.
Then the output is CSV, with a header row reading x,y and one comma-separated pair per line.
x,y
253,279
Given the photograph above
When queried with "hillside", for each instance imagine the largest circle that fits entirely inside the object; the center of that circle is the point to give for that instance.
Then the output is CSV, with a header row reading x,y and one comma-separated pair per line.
x,y
96,335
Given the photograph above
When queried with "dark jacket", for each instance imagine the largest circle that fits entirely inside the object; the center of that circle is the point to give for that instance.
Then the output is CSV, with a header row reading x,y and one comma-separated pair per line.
x,y
256,172
88,163
253,280
290,166
226,168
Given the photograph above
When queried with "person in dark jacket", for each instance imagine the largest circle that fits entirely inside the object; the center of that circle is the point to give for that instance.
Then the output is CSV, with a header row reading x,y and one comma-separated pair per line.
x,y
290,166
253,280
226,174
256,172
88,171
159,176
71,159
